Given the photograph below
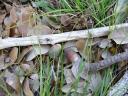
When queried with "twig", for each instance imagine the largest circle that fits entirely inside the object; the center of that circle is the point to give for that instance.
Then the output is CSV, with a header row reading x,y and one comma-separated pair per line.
x,y
106,62
57,38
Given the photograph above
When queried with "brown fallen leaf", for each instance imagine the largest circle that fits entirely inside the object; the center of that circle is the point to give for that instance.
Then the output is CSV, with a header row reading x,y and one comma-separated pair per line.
x,y
2,63
40,30
68,76
8,22
54,51
27,68
13,15
80,45
23,53
26,88
25,22
13,81
37,50
34,82
65,20
13,54
8,7
2,18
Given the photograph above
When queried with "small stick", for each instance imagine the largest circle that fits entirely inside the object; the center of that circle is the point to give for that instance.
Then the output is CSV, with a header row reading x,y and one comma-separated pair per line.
x,y
106,62
57,38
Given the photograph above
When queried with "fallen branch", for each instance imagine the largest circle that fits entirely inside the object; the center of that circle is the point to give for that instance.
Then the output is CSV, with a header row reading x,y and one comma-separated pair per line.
x,y
57,38
106,62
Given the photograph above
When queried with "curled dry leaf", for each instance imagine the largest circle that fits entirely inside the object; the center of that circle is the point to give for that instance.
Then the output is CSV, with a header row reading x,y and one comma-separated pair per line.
x,y
13,81
26,88
37,50
65,20
54,51
13,54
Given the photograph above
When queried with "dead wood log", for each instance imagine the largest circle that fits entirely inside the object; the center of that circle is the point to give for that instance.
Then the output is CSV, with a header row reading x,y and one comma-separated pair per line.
x,y
57,38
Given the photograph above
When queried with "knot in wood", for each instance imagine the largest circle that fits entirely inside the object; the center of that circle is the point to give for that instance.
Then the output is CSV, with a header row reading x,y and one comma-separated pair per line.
x,y
48,40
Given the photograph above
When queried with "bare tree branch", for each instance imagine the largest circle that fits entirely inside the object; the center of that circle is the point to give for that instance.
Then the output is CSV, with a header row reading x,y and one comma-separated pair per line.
x,y
57,38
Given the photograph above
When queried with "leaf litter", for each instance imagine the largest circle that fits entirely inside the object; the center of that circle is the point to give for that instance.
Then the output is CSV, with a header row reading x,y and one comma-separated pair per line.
x,y
19,65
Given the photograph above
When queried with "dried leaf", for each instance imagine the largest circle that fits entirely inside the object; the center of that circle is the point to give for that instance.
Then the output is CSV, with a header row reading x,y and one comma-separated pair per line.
x,y
65,20
120,35
54,51
24,28
34,82
76,68
19,71
27,68
37,50
105,54
2,58
13,54
13,81
26,21
13,15
8,7
80,44
34,76
105,43
8,22
71,55
26,88
2,18
66,88
94,81
23,53
69,44
68,76
40,30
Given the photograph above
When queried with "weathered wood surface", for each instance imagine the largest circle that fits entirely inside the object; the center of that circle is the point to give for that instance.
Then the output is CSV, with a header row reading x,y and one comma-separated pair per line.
x,y
57,38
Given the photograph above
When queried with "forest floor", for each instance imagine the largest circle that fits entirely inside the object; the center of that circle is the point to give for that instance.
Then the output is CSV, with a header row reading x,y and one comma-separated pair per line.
x,y
46,48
